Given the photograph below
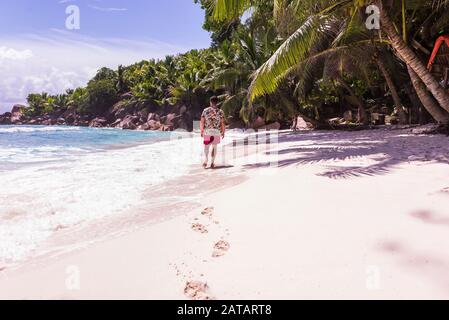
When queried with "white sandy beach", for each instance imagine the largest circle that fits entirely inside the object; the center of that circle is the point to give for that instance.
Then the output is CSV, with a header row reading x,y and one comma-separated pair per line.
x,y
337,215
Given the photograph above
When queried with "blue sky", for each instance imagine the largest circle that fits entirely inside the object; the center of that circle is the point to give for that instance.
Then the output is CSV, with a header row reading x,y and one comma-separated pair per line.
x,y
38,52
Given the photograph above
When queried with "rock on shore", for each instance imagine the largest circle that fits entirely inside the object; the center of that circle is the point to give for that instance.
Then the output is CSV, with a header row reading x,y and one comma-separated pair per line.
x,y
121,115
125,115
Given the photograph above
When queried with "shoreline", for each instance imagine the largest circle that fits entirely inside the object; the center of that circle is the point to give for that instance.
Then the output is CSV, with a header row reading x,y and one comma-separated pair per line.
x,y
182,189
186,189
266,239
164,201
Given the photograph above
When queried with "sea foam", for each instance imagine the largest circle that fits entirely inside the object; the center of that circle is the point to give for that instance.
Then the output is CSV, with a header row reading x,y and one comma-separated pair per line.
x,y
80,182
18,129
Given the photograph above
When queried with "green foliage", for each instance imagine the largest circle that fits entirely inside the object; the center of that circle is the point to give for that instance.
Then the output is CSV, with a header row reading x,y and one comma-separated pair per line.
x,y
35,104
76,98
105,74
44,103
280,58
100,96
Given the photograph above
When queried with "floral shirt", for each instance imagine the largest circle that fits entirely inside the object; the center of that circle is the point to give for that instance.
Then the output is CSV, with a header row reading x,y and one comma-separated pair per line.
x,y
214,117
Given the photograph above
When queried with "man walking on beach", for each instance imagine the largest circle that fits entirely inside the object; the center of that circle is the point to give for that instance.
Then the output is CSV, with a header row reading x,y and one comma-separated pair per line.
x,y
212,129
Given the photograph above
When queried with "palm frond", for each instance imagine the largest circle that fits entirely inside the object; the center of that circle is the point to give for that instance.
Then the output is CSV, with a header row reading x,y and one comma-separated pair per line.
x,y
307,74
223,10
294,50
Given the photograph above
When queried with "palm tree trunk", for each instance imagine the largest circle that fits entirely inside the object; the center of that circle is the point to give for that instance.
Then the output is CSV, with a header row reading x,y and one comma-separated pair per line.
x,y
427,100
393,90
362,116
417,112
412,60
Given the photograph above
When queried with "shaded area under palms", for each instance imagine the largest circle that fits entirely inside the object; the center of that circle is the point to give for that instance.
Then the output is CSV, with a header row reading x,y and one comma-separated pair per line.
x,y
336,150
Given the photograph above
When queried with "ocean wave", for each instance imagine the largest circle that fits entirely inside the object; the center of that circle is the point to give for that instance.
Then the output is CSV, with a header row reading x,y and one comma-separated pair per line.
x,y
91,186
34,129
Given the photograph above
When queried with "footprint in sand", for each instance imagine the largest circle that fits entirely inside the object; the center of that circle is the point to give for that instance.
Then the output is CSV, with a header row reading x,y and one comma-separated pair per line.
x,y
197,290
198,227
208,212
60,227
220,248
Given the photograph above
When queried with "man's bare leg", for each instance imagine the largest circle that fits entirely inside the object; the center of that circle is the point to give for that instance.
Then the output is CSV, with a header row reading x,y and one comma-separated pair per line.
x,y
206,154
214,154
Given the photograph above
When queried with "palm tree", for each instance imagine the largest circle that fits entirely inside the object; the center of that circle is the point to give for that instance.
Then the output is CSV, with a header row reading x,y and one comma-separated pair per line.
x,y
427,100
76,98
411,58
380,61
431,13
190,70
121,83
234,64
297,48
230,76
61,101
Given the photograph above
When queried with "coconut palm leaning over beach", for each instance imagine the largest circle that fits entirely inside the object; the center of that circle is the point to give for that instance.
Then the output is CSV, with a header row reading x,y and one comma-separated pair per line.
x,y
297,49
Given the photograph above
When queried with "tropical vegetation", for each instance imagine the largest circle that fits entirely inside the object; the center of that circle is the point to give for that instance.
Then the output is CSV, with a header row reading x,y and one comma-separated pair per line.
x,y
280,59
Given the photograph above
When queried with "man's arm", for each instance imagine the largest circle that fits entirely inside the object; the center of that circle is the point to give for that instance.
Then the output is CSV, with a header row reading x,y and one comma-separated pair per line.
x,y
223,128
202,125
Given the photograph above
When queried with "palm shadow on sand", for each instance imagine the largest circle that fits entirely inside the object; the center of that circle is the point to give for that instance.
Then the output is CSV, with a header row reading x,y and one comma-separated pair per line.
x,y
389,149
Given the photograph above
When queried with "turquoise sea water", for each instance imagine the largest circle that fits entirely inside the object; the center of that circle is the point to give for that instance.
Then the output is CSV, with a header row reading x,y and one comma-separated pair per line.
x,y
58,177
31,144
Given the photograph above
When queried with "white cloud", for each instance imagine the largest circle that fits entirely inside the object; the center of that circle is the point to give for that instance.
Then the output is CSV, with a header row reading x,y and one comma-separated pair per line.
x,y
12,54
63,60
107,9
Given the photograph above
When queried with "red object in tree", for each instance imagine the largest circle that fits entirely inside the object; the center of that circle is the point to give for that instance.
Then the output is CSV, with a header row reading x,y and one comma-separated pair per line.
x,y
440,41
